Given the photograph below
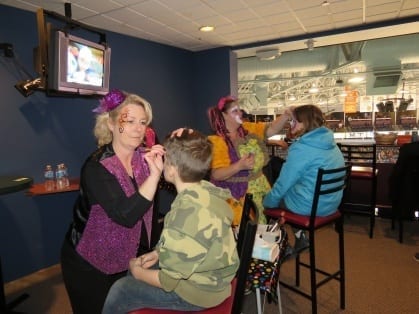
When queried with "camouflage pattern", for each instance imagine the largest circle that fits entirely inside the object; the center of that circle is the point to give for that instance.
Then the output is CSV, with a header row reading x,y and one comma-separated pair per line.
x,y
197,249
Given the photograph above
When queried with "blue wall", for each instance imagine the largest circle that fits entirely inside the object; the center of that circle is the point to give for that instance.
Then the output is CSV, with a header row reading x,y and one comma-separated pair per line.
x,y
40,130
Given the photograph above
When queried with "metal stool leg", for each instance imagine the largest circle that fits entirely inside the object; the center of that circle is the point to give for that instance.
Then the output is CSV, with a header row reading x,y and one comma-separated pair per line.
x,y
278,291
258,301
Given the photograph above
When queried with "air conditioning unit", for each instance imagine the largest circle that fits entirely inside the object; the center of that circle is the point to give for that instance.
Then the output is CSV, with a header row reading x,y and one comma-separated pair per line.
x,y
383,81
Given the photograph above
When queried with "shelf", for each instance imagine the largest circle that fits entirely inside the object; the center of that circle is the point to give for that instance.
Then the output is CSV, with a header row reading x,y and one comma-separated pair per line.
x,y
39,188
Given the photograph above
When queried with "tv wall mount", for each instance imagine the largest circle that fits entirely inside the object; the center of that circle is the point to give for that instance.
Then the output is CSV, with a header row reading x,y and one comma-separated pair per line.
x,y
28,86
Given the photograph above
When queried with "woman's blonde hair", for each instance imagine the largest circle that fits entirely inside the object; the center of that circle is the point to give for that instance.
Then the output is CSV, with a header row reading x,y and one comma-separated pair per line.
x,y
101,130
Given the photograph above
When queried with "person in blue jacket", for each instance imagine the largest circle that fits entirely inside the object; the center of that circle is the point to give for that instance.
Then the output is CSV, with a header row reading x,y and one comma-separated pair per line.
x,y
313,148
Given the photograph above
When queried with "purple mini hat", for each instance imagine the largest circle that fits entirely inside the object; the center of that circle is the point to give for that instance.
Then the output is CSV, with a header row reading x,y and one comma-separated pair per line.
x,y
111,100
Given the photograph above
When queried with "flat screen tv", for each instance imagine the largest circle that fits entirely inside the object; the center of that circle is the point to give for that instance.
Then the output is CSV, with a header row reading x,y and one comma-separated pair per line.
x,y
78,65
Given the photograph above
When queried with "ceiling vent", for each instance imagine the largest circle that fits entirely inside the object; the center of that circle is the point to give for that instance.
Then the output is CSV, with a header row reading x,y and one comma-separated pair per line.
x,y
386,79
383,81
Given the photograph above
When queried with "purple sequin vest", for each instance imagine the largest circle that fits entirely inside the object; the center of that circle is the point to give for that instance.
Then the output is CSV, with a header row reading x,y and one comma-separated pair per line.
x,y
237,189
105,244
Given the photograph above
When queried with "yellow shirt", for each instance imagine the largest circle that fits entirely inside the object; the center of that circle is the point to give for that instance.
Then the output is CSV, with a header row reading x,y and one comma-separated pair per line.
x,y
258,185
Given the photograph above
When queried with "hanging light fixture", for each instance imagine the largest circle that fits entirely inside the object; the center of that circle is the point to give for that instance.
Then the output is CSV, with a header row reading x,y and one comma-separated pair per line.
x,y
270,54
310,44
27,87
403,90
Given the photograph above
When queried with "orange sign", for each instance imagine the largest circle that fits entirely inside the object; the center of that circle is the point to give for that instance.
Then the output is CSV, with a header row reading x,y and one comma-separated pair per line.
x,y
351,100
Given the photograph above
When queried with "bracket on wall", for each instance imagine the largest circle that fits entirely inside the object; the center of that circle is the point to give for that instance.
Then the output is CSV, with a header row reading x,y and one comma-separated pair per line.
x,y
70,23
25,87
8,49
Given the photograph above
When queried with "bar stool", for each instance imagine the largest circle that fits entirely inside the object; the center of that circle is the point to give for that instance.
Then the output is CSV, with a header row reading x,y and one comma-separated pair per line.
x,y
328,181
263,276
364,160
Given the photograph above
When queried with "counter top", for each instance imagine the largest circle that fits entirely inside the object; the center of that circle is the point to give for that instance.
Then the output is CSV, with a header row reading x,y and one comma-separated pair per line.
x,y
10,183
39,188
355,141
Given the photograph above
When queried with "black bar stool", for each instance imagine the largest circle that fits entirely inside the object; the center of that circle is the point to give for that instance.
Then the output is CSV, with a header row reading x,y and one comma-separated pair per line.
x,y
363,157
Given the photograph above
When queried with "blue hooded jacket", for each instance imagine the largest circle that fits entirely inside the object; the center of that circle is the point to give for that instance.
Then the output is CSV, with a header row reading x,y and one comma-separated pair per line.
x,y
296,182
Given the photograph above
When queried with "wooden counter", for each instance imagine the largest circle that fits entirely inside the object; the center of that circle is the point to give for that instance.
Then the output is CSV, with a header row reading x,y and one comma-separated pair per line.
x,y
39,188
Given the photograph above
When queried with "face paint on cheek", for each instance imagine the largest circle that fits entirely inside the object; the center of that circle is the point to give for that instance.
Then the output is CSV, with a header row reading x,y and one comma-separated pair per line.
x,y
122,119
234,112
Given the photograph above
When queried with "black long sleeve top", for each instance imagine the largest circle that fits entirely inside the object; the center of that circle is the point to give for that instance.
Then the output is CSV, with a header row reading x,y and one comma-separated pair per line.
x,y
99,186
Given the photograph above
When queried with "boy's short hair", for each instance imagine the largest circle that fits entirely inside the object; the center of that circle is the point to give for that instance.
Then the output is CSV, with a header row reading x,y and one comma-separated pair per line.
x,y
190,153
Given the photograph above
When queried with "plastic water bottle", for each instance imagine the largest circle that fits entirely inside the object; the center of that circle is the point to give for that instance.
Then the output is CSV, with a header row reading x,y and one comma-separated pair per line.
x,y
59,177
49,178
64,177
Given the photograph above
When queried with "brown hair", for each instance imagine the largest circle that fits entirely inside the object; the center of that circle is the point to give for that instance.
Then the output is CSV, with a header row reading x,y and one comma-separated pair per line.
x,y
190,153
310,116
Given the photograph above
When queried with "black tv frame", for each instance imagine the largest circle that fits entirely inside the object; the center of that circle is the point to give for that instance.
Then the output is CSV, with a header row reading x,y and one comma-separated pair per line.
x,y
42,59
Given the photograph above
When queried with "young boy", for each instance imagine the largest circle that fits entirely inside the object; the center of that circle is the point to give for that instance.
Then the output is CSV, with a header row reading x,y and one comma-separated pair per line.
x,y
196,259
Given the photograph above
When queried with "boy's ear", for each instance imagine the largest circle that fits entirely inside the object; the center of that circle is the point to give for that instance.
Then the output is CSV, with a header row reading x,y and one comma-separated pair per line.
x,y
171,171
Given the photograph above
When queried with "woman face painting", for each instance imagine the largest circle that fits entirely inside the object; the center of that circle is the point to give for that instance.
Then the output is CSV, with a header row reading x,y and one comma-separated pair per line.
x,y
129,129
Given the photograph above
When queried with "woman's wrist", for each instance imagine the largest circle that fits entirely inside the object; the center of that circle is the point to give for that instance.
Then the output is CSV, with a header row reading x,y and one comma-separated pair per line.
x,y
237,166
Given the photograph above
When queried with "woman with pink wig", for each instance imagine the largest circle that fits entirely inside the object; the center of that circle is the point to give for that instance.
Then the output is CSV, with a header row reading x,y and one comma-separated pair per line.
x,y
240,153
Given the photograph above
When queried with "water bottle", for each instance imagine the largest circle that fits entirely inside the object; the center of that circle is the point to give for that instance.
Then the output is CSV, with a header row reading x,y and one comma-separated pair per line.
x,y
59,177
65,179
415,135
49,178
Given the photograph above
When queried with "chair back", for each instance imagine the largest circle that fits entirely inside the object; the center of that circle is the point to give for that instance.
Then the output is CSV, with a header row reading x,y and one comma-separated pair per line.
x,y
362,156
248,238
329,181
249,211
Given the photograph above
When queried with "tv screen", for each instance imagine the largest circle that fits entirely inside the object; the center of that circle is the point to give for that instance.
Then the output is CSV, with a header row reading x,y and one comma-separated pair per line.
x,y
78,65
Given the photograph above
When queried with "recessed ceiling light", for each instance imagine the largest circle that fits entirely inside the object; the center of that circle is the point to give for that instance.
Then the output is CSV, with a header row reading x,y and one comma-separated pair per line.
x,y
325,3
207,28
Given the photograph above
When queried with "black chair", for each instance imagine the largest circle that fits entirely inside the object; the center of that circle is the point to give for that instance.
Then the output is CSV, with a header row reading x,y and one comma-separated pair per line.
x,y
328,181
273,169
363,157
249,213
404,182
234,303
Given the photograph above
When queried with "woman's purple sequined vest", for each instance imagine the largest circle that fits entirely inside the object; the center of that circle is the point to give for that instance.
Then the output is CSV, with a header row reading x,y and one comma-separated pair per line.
x,y
105,244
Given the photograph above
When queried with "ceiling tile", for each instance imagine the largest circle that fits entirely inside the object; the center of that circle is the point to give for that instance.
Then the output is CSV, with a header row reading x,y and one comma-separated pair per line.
x,y
237,22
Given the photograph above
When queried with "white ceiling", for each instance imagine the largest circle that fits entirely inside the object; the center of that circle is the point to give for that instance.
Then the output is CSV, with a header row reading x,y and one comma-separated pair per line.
x,y
254,25
237,22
